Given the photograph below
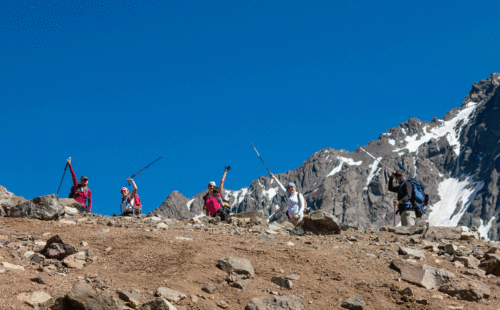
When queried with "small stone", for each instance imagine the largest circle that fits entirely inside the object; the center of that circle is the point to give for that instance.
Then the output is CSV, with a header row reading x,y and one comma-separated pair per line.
x,y
290,243
184,238
209,288
84,244
407,292
194,298
35,299
108,249
239,284
354,303
292,277
285,283
28,255
169,294
222,304
11,266
38,279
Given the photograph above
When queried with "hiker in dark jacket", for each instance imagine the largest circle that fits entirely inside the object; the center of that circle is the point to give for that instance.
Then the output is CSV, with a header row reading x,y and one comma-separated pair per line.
x,y
404,190
80,192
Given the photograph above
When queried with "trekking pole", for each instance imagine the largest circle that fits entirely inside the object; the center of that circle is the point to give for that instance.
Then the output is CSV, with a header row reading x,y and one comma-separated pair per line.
x,y
65,168
261,159
147,166
374,158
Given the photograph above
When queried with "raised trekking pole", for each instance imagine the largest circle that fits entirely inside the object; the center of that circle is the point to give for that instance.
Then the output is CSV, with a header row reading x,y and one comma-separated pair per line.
x,y
375,158
261,159
145,167
65,168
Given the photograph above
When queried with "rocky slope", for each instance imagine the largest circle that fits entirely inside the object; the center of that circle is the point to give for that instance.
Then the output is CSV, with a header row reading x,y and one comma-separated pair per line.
x,y
100,262
456,158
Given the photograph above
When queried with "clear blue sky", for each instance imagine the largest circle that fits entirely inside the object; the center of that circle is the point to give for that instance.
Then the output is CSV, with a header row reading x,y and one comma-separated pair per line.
x,y
116,84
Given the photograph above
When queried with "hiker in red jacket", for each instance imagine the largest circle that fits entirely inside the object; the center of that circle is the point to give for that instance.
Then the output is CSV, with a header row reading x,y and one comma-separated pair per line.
x,y
80,192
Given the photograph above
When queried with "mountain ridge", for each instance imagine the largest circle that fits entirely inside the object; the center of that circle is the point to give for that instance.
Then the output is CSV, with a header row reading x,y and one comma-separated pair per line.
x,y
456,158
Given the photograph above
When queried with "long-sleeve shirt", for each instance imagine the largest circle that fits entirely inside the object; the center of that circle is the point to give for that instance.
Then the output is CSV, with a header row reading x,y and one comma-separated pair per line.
x,y
404,195
295,202
81,195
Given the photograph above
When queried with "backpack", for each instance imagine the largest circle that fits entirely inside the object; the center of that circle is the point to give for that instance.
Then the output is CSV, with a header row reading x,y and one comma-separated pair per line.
x,y
137,201
72,192
419,198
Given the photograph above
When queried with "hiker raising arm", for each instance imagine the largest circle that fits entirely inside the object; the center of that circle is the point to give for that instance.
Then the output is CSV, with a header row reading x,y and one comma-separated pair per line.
x,y
404,191
128,200
295,202
221,184
80,191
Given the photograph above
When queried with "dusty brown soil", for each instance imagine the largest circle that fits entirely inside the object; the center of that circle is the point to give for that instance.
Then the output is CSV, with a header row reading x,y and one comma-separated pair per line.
x,y
331,269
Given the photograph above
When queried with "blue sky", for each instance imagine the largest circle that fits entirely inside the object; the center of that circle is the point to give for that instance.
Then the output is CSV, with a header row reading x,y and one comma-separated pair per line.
x,y
116,84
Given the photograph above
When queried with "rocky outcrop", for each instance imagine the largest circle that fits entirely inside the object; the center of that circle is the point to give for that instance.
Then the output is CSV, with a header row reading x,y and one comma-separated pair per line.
x,y
41,208
8,200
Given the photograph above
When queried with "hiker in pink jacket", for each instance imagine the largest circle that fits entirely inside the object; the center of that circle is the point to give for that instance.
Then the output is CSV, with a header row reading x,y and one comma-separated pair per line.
x,y
80,192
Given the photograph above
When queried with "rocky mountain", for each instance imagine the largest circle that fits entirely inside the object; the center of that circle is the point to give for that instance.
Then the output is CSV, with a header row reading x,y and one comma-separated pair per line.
x,y
456,158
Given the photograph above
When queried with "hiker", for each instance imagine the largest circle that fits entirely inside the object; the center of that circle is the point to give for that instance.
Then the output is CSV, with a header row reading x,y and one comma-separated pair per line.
x,y
131,204
404,203
80,192
295,202
214,206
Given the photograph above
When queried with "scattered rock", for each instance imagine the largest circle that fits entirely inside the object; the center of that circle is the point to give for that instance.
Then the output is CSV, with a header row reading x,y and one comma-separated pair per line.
x,y
12,266
475,272
55,248
239,267
83,297
286,302
35,299
239,284
413,252
169,294
159,303
292,277
438,233
285,283
468,261
320,222
28,255
354,303
422,275
222,304
132,297
466,288
38,279
209,288
75,261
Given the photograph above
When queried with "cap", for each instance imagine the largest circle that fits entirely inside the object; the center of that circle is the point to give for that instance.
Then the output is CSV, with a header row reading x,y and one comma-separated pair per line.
x,y
84,178
211,183
291,184
123,189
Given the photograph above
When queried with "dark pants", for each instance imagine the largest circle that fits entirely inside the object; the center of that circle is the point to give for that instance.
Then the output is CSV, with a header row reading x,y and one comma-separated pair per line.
x,y
223,213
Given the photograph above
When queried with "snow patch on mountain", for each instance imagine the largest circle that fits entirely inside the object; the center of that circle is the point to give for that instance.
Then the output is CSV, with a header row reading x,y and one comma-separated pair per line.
x,y
374,171
483,229
450,129
454,194
190,204
343,160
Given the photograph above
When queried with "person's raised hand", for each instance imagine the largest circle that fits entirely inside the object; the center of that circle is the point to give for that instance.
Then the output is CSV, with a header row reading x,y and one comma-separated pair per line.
x,y
69,161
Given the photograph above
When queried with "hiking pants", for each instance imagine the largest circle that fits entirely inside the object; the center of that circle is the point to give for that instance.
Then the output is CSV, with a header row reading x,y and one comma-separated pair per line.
x,y
408,218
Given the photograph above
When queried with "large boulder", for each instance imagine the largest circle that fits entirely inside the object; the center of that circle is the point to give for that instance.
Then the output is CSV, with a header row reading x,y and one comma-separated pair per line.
x,y
286,302
83,297
466,288
422,275
8,200
320,222
45,208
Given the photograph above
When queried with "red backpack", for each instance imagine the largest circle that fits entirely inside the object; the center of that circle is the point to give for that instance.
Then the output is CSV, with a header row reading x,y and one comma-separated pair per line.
x,y
137,201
